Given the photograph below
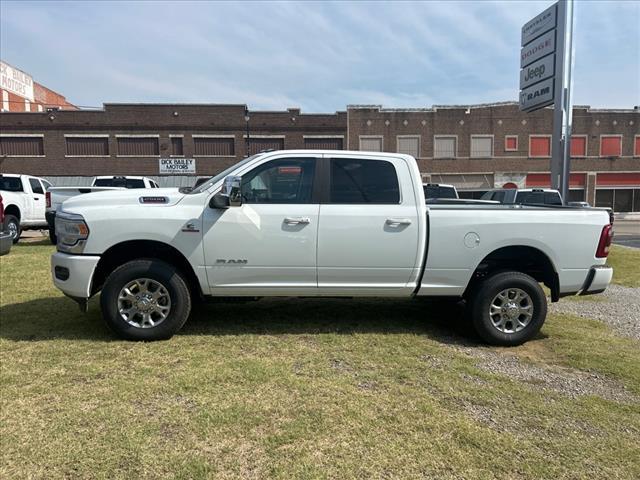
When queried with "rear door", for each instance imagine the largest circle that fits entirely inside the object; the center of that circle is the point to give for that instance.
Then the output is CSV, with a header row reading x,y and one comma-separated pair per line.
x,y
37,201
369,227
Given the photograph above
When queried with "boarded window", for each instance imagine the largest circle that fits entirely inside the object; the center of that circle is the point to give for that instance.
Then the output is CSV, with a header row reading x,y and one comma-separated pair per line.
x,y
371,144
481,147
257,145
578,146
87,146
540,146
138,146
214,147
22,146
176,147
610,146
444,147
511,143
323,143
409,146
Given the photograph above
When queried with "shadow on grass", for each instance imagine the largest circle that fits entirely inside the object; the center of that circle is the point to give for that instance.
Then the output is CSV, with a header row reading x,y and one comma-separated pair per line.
x,y
59,317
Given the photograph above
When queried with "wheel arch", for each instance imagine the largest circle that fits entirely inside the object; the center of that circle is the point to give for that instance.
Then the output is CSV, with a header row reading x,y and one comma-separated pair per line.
x,y
124,252
13,209
520,258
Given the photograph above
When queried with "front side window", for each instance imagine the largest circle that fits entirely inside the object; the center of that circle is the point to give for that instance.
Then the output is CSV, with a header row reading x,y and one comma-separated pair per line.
x,y
35,186
363,181
286,180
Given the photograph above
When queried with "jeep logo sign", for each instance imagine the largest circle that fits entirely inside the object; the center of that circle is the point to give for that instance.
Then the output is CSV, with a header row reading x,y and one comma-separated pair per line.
x,y
537,71
538,96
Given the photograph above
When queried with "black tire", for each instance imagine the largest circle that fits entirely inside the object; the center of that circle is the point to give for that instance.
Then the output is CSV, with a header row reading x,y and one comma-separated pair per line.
x,y
52,236
12,224
480,303
169,277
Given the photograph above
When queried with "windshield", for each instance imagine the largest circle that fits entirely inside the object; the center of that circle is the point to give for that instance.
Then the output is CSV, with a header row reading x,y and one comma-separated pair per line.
x,y
221,175
119,182
10,184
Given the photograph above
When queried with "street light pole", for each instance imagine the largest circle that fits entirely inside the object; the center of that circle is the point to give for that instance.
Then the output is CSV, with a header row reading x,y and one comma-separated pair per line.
x,y
246,120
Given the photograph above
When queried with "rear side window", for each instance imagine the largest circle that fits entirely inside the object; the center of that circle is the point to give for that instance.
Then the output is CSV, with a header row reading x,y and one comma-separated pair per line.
x,y
36,187
287,180
363,181
11,184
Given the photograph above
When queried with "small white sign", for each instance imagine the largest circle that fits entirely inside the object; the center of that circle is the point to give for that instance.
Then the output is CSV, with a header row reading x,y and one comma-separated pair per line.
x,y
541,47
538,25
16,81
537,71
177,166
538,96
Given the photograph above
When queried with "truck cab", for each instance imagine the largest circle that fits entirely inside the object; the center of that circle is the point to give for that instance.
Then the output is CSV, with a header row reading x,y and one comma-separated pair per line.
x,y
24,202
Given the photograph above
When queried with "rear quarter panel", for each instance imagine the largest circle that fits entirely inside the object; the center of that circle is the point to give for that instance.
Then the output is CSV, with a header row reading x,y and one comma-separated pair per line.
x,y
569,238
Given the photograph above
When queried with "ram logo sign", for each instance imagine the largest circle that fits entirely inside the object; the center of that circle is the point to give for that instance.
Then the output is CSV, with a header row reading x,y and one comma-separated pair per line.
x,y
239,261
538,96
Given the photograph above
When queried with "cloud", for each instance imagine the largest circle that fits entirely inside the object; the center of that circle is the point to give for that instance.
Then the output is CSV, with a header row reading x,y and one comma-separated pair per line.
x,y
318,56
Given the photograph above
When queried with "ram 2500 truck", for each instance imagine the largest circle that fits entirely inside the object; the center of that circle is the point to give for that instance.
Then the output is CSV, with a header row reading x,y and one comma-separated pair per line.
x,y
322,223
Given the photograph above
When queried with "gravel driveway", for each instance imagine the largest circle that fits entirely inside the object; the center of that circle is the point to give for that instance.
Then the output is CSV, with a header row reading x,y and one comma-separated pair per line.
x,y
618,307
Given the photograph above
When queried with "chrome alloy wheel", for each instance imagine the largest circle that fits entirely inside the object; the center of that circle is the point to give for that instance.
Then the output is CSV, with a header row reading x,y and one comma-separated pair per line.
x,y
511,310
144,303
12,228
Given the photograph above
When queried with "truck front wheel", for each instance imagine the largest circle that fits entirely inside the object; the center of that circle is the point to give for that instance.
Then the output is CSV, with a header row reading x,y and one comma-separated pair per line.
x,y
508,308
145,300
12,225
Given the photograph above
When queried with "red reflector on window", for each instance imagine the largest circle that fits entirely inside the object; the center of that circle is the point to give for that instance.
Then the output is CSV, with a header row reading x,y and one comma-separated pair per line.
x,y
606,237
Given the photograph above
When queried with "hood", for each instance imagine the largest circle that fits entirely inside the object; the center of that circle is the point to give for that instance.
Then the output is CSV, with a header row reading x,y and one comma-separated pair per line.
x,y
125,198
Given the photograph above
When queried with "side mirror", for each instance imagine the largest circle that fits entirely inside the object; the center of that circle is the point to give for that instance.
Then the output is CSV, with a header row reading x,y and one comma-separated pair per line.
x,y
230,195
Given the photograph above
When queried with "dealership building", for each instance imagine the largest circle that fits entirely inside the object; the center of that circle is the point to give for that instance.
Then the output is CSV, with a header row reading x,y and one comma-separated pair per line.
x,y
474,147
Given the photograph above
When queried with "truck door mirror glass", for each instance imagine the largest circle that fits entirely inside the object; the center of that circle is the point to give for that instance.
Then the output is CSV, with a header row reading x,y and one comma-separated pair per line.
x,y
230,195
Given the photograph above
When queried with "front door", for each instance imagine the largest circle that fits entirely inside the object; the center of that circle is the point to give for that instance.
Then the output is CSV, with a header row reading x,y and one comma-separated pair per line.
x,y
37,201
268,244
369,228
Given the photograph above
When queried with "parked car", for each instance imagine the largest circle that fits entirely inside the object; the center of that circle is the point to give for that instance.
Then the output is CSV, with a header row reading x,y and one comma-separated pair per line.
x,y
531,196
439,190
57,195
24,203
5,237
267,227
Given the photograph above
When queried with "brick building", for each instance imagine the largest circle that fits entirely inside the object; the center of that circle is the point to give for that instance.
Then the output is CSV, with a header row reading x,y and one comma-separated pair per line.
x,y
474,147
19,93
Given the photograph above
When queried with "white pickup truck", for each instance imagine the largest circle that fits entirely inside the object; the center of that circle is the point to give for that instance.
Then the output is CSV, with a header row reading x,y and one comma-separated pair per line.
x,y
323,223
56,196
24,203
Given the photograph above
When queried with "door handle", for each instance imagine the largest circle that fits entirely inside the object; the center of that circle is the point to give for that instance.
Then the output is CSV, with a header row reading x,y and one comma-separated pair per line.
x,y
297,220
36,198
398,221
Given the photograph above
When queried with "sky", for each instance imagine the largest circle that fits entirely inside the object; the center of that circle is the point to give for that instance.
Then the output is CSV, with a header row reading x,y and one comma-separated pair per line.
x,y
319,56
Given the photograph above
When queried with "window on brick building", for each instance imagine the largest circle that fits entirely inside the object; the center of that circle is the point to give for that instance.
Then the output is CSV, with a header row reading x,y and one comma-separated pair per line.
x,y
445,147
260,144
176,149
636,146
21,146
511,143
481,146
134,146
87,146
540,146
371,144
579,146
323,143
611,145
214,146
409,145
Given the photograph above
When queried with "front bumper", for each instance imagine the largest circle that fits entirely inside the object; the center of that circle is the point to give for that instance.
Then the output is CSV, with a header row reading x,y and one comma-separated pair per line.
x,y
5,243
597,281
73,273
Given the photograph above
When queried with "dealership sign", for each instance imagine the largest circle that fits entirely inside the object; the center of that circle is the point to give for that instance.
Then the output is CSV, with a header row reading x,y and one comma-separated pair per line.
x,y
16,81
537,61
177,166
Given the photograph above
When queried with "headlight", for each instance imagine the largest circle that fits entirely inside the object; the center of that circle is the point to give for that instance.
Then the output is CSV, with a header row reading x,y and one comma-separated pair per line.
x,y
72,232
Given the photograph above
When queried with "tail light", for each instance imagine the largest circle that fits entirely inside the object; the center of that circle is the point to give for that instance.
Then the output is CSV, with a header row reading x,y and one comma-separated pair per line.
x,y
48,199
605,241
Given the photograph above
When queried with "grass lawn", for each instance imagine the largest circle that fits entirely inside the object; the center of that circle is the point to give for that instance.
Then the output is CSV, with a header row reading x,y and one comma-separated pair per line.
x,y
626,265
308,389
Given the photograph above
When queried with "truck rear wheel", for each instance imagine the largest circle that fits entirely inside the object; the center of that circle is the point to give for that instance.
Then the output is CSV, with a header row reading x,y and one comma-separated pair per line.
x,y
145,300
12,225
508,308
